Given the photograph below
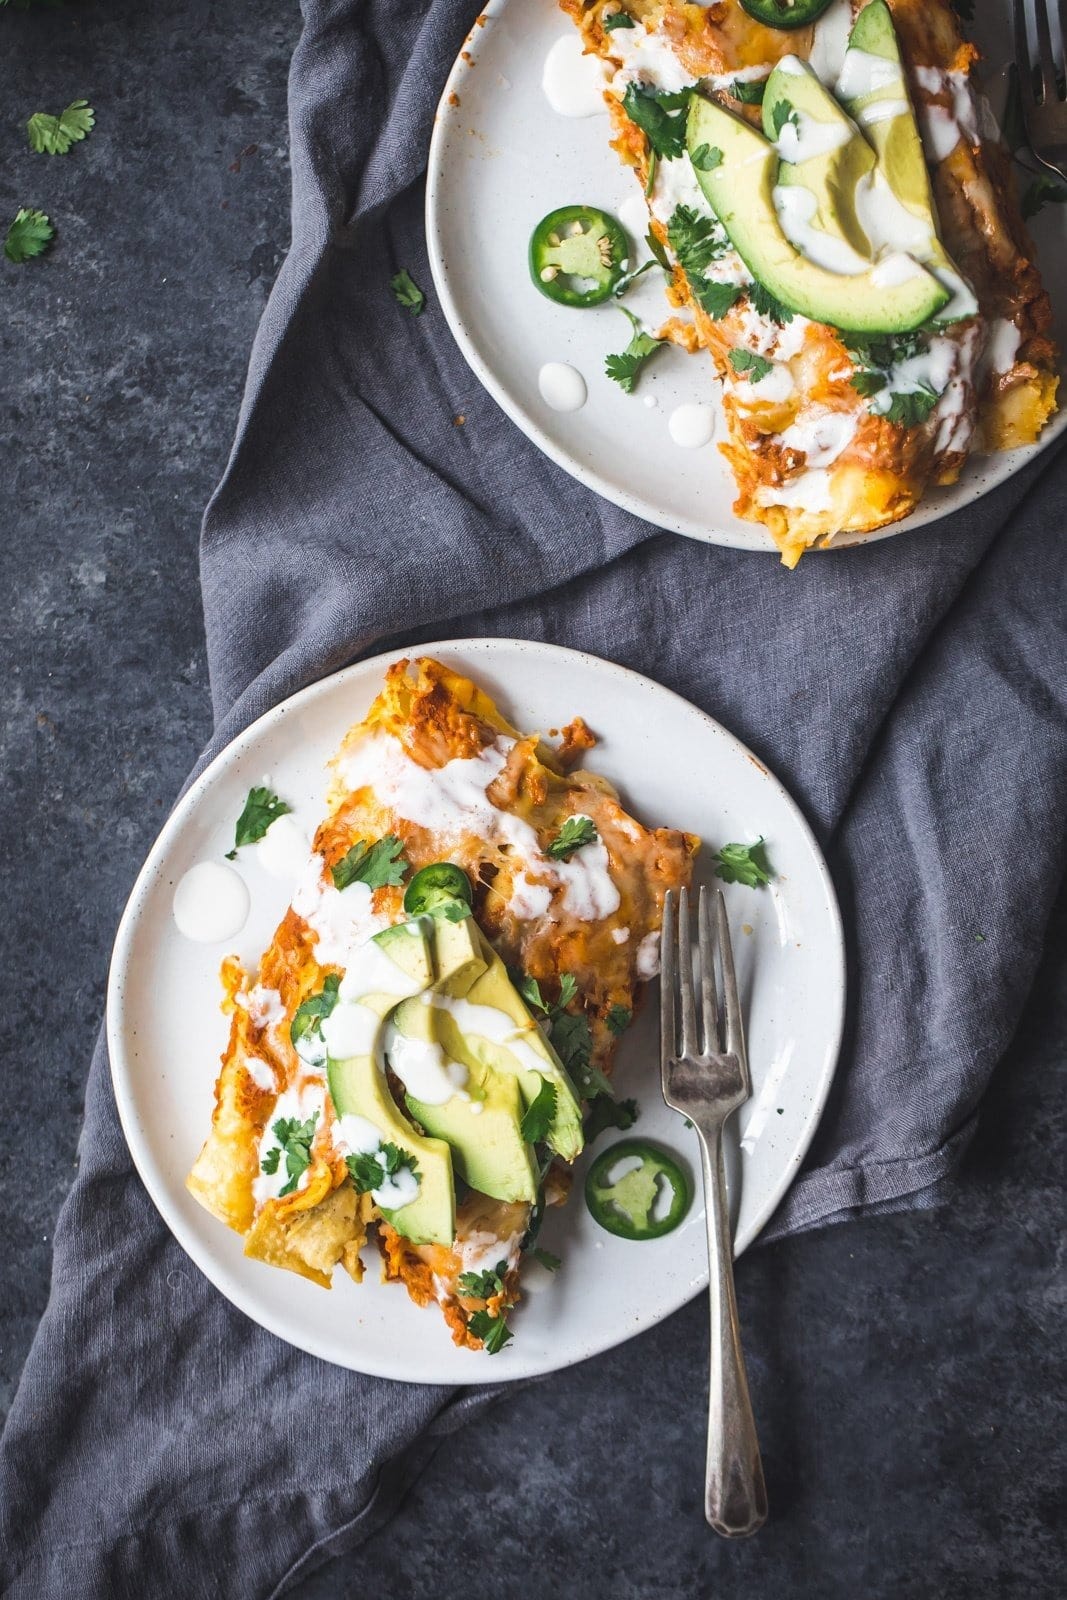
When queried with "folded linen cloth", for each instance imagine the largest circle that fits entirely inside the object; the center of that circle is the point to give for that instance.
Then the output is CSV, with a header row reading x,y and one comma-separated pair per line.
x,y
911,694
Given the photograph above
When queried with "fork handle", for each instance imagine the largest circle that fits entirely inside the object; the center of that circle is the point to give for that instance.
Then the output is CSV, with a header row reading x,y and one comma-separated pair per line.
x,y
735,1496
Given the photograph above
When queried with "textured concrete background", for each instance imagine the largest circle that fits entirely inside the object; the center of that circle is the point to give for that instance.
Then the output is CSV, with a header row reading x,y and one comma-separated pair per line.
x,y
905,1370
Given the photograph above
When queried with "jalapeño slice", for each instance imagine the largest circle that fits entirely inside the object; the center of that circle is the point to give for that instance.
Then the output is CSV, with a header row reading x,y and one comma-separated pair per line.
x,y
626,1186
578,256
785,13
435,886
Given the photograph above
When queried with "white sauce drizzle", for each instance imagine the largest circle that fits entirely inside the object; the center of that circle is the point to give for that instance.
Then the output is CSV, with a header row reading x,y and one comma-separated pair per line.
x,y
1002,346
572,81
775,388
822,435
620,935
358,1135
692,426
423,1068
807,137
261,1073
528,900
808,491
944,126
482,1251
487,1022
647,963
796,206
211,903
562,386
648,58
863,73
341,919
264,1006
304,1100
830,41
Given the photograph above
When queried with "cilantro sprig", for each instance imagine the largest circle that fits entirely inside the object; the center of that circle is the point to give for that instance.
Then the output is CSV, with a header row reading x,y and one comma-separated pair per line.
x,y
29,234
372,1169
483,1285
706,157
619,1019
624,369
617,19
606,1113
377,865
54,136
294,1143
697,241
747,361
744,863
493,1331
407,293
309,1014
750,92
577,831
660,116
546,1258
260,809
539,1114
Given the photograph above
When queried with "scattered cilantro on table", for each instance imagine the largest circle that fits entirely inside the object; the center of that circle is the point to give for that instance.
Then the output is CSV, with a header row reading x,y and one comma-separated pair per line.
x,y
54,136
623,369
29,235
407,293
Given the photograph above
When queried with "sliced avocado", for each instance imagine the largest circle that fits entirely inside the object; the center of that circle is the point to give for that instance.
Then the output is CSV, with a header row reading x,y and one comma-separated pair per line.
x,y
874,91
358,1087
457,954
482,1123
895,295
798,114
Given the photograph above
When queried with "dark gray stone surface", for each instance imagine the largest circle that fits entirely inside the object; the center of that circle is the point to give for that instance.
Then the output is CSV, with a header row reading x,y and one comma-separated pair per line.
x,y
905,1370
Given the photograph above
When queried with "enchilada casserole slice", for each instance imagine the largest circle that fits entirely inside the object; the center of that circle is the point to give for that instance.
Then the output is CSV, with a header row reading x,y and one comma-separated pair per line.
x,y
838,215
422,1074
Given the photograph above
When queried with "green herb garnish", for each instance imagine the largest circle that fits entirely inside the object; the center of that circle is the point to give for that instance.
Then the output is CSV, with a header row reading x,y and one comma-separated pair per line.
x,y
310,1012
493,1331
546,1258
748,361
294,1142
29,235
749,92
407,293
54,136
744,863
260,809
623,369
617,19
538,1116
376,865
577,832
911,409
370,1170
706,157
607,1113
661,118
483,1285
619,1019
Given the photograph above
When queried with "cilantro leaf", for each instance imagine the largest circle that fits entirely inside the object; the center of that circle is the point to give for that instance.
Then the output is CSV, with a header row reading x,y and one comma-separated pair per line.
x,y
868,383
661,118
260,809
370,1169
310,1012
716,298
376,865
407,293
29,234
294,1142
706,157
453,910
493,1331
575,833
749,92
608,1113
1044,190
568,988
783,116
539,1113
54,136
546,1258
619,1019
617,19
530,990
744,863
623,369
483,1285
696,240
910,410
748,361
765,303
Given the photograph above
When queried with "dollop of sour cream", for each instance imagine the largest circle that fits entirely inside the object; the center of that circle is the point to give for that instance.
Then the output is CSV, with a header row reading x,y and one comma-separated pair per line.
x,y
211,903
562,386
573,82
691,426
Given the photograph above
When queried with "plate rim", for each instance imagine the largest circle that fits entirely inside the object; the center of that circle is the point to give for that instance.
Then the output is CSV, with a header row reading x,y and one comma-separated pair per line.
x,y
124,950
752,537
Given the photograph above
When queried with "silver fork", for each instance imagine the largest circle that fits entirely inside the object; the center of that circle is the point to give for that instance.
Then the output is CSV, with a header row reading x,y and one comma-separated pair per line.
x,y
1045,114
706,1081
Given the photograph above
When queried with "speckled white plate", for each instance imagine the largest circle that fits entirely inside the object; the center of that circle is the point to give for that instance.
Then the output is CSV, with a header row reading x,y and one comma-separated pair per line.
x,y
673,765
500,160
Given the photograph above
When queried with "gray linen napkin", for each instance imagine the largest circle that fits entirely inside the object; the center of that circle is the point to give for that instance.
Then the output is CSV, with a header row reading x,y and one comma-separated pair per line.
x,y
911,694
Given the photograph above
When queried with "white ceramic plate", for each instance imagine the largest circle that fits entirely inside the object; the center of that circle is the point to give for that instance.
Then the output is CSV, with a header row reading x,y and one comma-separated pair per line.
x,y
500,160
673,765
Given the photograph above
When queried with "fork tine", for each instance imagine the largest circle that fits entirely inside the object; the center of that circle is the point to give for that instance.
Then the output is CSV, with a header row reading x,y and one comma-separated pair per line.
x,y
1023,69
666,989
1049,87
735,1033
690,1047
709,1005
